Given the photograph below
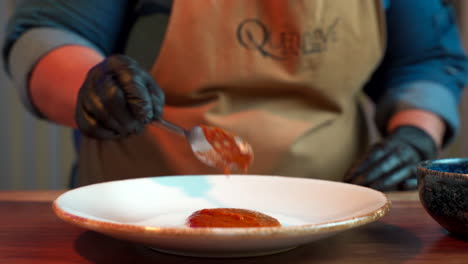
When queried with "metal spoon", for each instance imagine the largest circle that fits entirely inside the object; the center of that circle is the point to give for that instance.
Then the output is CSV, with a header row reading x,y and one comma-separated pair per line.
x,y
202,148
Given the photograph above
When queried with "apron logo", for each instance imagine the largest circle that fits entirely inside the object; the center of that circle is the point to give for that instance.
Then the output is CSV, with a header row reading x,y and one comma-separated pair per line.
x,y
253,34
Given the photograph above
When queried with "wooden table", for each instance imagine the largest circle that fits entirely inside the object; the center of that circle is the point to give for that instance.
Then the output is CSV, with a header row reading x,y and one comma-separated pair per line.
x,y
30,233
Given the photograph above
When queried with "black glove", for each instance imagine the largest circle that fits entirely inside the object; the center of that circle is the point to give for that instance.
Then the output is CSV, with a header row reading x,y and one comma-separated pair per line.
x,y
391,164
117,99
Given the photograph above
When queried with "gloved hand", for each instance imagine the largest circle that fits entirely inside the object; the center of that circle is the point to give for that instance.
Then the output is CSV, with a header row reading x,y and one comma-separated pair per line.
x,y
391,164
117,99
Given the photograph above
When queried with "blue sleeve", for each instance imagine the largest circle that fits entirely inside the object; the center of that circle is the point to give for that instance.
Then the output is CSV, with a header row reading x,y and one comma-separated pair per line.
x,y
40,26
424,66
101,22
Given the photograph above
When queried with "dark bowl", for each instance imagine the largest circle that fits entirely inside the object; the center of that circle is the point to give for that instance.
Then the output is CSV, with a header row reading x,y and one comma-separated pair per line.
x,y
443,191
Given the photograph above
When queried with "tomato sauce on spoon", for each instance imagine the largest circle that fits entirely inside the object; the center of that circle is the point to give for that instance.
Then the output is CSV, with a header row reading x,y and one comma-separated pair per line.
x,y
229,151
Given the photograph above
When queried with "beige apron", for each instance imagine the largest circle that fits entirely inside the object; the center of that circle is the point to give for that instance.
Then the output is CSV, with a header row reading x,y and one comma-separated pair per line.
x,y
284,75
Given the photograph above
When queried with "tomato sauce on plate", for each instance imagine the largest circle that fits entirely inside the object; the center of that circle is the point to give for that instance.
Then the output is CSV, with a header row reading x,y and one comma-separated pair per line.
x,y
231,217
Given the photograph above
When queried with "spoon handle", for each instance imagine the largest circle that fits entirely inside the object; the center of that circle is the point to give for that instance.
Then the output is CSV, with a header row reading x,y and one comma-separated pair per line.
x,y
172,127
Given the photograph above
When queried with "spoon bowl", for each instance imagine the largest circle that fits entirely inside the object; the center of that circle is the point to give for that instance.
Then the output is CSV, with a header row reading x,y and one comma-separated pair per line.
x,y
214,146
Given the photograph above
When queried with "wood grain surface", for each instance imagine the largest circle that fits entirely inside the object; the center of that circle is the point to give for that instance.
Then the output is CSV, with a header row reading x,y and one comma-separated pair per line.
x,y
30,233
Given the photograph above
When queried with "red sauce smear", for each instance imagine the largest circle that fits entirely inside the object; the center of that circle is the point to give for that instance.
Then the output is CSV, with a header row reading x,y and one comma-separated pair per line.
x,y
227,149
231,217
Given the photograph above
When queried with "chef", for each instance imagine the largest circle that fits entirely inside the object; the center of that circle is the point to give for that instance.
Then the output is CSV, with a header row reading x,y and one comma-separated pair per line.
x,y
287,76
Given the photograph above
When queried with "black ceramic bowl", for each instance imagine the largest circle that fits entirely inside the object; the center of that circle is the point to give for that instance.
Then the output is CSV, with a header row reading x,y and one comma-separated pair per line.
x,y
443,191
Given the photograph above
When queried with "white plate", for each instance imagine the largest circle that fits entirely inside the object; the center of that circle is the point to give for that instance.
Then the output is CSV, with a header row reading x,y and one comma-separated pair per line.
x,y
152,211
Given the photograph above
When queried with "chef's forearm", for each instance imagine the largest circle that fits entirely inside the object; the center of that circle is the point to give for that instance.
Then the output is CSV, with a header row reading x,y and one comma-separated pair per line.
x,y
431,123
39,27
56,80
